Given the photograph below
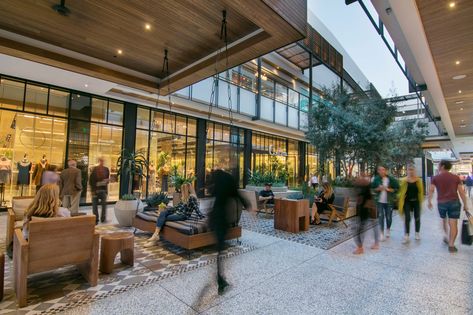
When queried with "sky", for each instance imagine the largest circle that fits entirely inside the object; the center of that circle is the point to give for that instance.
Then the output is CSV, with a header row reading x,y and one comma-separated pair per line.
x,y
352,28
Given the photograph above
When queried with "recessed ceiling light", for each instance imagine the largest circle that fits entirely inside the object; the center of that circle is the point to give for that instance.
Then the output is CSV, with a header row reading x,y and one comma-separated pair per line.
x,y
463,120
452,4
462,126
457,62
459,77
461,108
147,26
459,91
86,85
119,51
459,102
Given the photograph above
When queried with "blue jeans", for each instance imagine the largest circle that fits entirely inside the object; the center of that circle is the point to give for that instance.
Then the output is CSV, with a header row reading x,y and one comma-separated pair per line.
x,y
450,209
166,215
385,210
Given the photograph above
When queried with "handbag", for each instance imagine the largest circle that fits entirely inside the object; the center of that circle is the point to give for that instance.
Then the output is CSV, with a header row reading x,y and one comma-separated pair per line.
x,y
467,230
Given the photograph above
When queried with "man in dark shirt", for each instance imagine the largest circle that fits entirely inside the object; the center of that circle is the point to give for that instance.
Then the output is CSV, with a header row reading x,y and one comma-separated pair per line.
x,y
98,180
448,187
267,194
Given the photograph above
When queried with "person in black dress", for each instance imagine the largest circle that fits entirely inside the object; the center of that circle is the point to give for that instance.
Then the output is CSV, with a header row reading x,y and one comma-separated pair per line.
x,y
322,202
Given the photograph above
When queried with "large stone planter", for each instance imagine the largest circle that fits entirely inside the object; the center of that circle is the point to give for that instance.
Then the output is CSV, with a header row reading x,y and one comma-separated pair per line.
x,y
273,188
125,211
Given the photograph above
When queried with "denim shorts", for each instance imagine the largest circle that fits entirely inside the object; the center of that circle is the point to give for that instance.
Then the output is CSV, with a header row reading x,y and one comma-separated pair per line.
x,y
450,209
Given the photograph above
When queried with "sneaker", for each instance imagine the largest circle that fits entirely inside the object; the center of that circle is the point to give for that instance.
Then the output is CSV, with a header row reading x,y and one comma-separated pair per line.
x,y
375,246
381,237
417,237
222,286
452,249
150,244
388,233
406,239
358,251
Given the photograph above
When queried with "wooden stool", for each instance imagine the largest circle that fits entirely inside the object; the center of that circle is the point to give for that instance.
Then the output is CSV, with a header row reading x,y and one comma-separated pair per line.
x,y
2,274
113,243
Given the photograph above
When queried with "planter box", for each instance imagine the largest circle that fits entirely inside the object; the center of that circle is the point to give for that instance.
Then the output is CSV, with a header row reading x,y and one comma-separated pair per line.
x,y
125,211
260,188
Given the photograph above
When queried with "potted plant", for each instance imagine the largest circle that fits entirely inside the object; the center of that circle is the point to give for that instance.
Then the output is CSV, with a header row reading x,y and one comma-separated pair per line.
x,y
132,165
157,201
177,181
163,169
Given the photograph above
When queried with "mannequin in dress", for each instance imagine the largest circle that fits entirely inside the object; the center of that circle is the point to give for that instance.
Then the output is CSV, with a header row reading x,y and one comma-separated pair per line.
x,y
5,169
24,168
152,178
38,171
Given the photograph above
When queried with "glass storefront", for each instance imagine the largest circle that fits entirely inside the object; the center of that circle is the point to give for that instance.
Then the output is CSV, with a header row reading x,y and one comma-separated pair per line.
x,y
312,161
169,141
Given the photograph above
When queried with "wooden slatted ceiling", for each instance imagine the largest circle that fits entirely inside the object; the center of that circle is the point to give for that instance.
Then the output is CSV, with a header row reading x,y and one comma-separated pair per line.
x,y
449,33
190,30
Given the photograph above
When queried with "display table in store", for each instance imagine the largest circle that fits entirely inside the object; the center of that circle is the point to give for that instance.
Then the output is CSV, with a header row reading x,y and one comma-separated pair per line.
x,y
291,215
113,243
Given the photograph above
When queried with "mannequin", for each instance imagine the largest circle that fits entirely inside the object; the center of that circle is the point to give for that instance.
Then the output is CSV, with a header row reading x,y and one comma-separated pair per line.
x,y
152,178
24,168
5,169
39,168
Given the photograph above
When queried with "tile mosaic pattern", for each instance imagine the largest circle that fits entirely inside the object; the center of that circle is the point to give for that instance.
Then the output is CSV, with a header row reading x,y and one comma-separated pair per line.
x,y
62,289
320,236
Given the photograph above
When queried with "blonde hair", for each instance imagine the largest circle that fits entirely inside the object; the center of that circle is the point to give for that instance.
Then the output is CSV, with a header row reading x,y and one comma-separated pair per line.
x,y
328,190
45,204
187,190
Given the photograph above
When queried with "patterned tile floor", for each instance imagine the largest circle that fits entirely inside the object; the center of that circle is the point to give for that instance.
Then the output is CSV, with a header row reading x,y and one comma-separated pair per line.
x,y
320,236
52,292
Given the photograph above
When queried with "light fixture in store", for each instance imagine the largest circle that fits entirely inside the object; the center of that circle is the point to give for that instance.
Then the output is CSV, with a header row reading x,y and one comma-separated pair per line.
x,y
457,62
147,26
459,91
459,77
119,51
459,102
452,4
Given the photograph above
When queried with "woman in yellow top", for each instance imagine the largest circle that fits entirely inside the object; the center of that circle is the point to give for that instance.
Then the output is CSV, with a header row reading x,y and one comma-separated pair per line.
x,y
411,195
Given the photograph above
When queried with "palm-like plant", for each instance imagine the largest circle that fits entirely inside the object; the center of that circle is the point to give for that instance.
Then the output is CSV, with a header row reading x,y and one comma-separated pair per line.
x,y
133,163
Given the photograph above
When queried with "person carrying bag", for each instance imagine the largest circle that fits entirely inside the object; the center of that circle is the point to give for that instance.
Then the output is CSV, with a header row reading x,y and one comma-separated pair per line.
x,y
467,229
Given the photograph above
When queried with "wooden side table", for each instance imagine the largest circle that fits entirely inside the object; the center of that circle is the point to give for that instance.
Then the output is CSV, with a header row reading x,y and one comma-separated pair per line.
x,y
113,243
291,215
2,274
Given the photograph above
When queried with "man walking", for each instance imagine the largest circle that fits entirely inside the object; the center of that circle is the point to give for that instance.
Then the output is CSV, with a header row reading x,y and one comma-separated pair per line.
x,y
448,187
469,184
98,181
386,188
71,186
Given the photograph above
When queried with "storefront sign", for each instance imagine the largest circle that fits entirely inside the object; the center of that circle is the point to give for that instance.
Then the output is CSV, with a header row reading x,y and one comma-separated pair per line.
x,y
276,153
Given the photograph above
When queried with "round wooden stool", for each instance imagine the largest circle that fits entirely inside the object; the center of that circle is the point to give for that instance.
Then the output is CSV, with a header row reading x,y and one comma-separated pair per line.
x,y
113,243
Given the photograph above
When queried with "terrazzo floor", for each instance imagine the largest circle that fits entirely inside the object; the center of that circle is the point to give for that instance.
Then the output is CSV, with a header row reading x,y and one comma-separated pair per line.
x,y
284,277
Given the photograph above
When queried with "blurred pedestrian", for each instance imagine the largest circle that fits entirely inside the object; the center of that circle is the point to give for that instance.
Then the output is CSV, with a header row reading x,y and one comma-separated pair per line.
x,y
50,176
411,195
71,186
448,188
98,180
364,206
224,214
314,181
469,184
386,187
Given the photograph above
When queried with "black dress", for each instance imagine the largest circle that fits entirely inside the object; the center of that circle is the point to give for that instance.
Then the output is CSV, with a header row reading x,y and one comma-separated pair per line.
x,y
323,204
23,173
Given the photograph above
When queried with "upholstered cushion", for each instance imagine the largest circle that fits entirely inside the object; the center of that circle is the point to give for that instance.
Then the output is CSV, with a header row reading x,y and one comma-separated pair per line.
x,y
19,206
191,226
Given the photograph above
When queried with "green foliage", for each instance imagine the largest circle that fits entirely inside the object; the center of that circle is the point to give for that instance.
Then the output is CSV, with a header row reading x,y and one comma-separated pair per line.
x,y
163,161
350,127
134,164
343,182
128,197
275,173
405,143
156,199
178,180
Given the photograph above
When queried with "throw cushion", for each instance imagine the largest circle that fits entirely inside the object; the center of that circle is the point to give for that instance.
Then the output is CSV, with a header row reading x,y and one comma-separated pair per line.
x,y
19,206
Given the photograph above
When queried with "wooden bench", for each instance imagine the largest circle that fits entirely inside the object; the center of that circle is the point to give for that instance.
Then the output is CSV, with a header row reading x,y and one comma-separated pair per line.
x,y
252,198
54,243
15,216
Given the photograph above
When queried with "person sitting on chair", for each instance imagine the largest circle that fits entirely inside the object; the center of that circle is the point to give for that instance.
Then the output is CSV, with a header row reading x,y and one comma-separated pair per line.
x,y
182,211
267,194
322,202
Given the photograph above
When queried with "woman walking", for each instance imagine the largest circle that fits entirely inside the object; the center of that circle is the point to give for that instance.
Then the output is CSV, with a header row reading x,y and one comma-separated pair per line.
x,y
411,195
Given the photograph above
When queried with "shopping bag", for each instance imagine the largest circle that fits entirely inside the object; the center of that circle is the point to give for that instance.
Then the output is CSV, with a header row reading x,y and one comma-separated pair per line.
x,y
466,237
469,216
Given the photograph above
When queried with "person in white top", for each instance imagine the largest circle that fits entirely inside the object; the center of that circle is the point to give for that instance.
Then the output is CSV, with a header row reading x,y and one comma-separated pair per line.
x,y
314,181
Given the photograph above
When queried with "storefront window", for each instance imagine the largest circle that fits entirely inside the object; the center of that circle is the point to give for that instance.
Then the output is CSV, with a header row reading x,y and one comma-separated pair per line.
x,y
11,94
269,155
293,163
36,99
80,107
58,102
99,110
142,120
312,161
141,145
115,113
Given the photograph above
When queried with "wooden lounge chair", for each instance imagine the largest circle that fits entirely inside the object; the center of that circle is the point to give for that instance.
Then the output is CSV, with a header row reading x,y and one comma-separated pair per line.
x,y
339,210
15,216
54,243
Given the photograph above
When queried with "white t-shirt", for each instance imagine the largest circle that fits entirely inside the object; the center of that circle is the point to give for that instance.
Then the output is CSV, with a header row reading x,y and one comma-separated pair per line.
x,y
383,196
314,180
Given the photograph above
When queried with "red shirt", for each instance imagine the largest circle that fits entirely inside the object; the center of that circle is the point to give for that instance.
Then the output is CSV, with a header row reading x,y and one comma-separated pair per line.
x,y
447,185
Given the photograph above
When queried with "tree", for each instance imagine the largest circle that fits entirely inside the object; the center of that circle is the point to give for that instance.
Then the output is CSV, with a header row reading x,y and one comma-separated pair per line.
x,y
405,143
350,127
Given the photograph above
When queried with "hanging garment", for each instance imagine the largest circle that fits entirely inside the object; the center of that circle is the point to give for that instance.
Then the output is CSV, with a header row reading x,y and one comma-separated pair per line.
x,y
5,169
24,169
38,172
